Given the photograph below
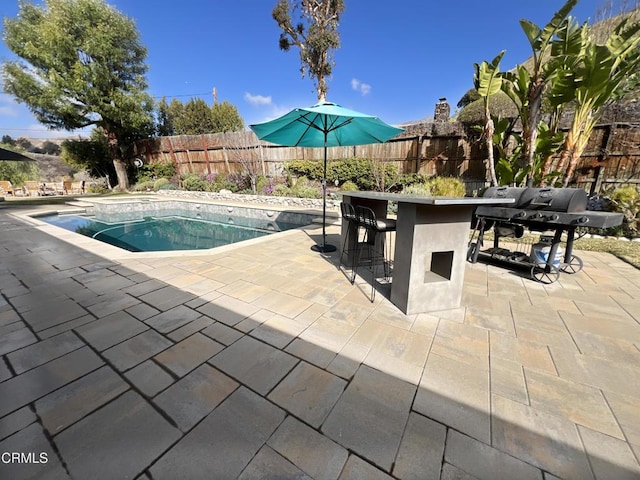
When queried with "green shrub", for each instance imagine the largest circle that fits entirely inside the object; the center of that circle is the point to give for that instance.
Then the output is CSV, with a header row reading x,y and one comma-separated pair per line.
x,y
168,186
628,194
97,188
356,169
446,187
159,183
194,183
626,200
349,186
281,190
305,168
306,191
302,182
146,186
406,179
261,183
417,190
211,187
152,171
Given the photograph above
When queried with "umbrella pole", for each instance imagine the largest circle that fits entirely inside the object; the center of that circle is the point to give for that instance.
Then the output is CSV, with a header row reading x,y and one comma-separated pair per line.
x,y
324,248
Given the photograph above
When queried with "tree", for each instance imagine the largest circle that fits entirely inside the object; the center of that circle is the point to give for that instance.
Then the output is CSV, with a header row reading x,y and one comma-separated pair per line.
x,y
195,119
226,118
469,97
82,65
245,149
90,154
164,120
24,143
50,148
19,172
7,140
487,82
312,26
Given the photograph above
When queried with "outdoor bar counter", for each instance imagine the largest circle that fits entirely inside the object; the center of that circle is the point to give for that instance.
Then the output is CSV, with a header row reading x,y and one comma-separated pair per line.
x,y
430,247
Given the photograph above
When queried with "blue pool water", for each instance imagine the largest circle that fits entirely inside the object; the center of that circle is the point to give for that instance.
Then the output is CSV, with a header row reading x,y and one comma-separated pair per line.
x,y
152,234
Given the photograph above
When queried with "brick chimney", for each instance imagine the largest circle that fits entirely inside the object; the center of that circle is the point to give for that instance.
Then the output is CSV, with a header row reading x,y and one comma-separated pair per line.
x,y
442,111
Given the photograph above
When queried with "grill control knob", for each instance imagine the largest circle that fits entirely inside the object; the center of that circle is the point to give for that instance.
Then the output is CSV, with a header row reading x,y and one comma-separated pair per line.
x,y
520,214
583,219
536,215
553,217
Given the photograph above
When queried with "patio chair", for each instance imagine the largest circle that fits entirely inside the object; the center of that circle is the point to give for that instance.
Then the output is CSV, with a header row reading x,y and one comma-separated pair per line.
x,y
58,188
32,187
375,243
77,187
348,213
6,187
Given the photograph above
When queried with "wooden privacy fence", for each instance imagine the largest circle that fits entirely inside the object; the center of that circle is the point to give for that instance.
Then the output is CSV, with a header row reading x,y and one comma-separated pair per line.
x,y
612,156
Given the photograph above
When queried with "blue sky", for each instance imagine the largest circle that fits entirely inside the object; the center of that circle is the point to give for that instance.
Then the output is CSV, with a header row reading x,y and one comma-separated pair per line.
x,y
396,60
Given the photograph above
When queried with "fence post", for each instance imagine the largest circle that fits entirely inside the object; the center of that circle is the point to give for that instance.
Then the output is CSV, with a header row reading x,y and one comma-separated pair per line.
x,y
173,154
206,154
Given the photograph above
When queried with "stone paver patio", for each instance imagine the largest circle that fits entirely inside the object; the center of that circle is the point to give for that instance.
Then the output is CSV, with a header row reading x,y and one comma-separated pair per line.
x,y
262,361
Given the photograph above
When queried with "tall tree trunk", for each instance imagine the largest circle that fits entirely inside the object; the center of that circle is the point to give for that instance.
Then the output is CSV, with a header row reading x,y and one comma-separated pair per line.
x,y
546,169
121,173
565,156
576,152
573,162
118,163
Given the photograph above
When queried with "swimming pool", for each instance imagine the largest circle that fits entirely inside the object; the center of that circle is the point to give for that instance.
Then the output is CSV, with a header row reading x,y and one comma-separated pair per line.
x,y
174,229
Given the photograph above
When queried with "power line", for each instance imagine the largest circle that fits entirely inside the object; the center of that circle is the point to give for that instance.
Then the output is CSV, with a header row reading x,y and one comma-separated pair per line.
x,y
185,95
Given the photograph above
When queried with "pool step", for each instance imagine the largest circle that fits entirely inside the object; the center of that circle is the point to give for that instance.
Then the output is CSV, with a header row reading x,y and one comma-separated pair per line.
x,y
331,220
79,203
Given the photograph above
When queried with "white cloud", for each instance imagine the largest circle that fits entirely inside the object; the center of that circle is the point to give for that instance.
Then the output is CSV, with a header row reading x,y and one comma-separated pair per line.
x,y
358,86
257,100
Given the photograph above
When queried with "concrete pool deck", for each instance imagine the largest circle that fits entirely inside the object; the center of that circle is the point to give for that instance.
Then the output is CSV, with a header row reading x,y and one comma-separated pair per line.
x,y
261,360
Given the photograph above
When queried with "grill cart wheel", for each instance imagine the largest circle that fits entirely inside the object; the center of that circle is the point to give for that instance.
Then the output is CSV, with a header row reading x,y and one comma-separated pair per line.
x,y
574,265
544,273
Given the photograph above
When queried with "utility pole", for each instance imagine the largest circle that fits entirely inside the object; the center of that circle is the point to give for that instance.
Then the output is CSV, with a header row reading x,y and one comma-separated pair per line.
x,y
215,96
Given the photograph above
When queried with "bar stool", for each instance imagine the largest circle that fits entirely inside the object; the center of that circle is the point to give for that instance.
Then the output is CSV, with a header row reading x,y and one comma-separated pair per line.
x,y
348,213
376,230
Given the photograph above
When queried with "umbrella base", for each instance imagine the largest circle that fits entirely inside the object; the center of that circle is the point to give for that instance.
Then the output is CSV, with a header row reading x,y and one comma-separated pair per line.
x,y
326,248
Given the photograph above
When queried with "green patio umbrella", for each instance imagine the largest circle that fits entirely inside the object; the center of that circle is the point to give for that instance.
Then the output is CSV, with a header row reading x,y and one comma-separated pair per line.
x,y
325,125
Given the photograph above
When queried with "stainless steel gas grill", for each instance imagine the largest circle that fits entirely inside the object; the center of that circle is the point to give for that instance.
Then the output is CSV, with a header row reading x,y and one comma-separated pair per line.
x,y
552,210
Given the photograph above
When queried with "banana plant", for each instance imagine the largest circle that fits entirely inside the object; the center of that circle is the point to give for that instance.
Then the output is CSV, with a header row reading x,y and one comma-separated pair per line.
x,y
566,50
532,83
508,168
487,82
603,74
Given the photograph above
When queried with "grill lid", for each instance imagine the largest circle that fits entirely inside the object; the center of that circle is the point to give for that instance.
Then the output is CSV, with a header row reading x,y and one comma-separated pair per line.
x,y
547,198
554,199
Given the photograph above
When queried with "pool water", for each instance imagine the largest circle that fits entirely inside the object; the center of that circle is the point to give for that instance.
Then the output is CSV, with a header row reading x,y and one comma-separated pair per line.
x,y
152,234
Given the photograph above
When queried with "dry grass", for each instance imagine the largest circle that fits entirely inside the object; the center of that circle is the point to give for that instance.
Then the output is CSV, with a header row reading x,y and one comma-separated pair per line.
x,y
627,251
